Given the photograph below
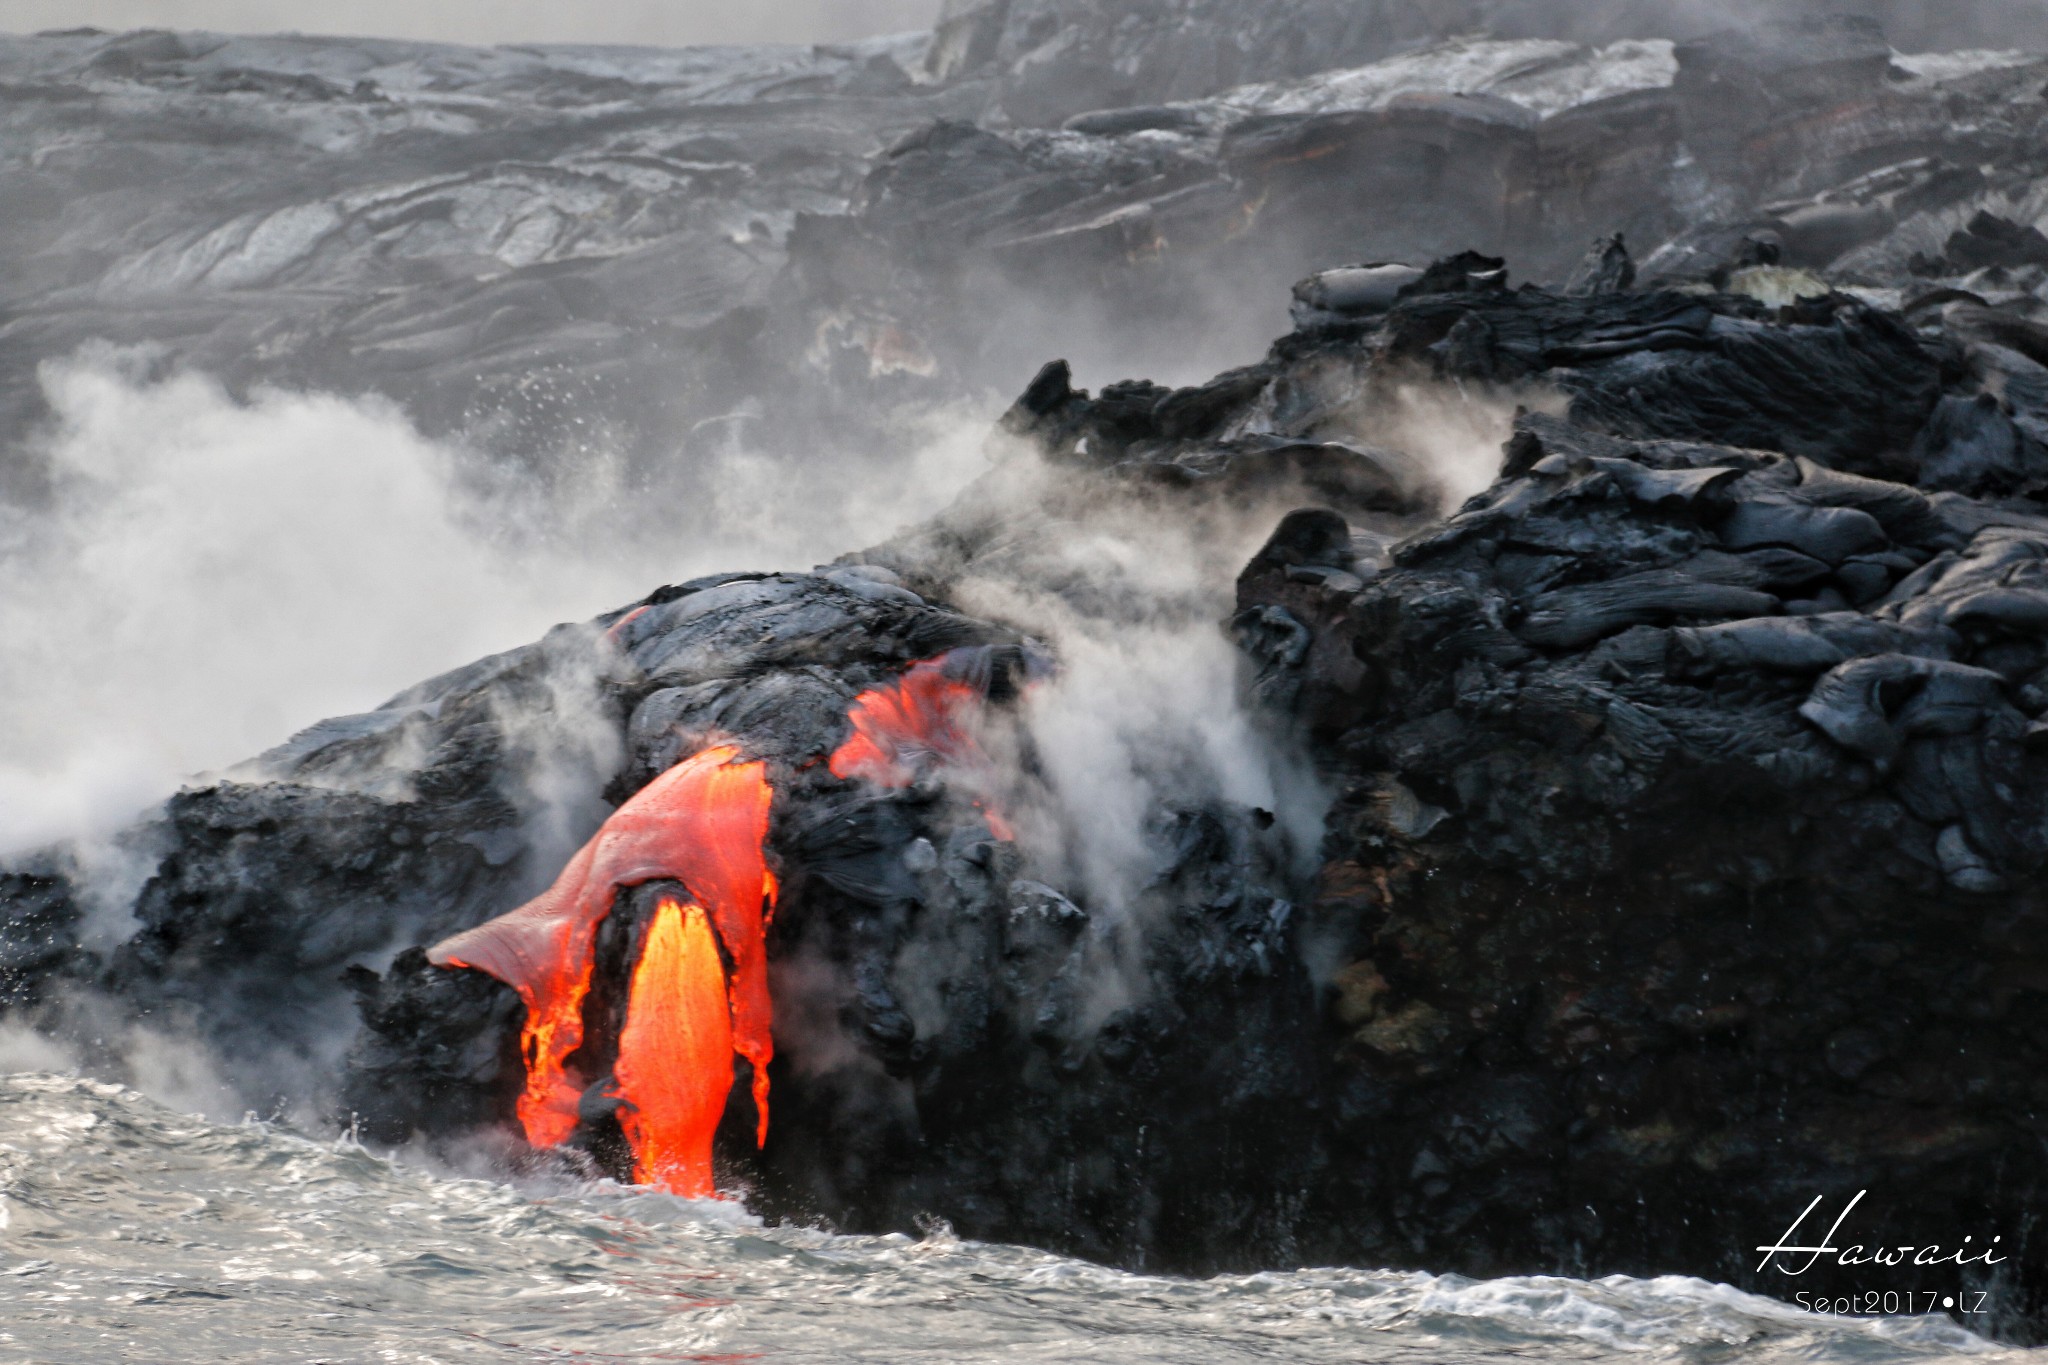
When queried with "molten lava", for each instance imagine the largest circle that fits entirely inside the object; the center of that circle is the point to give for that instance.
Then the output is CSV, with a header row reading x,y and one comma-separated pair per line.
x,y
702,823
675,1053
926,715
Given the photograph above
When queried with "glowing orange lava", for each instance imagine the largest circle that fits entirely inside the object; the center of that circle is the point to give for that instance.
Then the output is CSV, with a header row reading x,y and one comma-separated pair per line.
x,y
618,627
922,717
926,716
675,1053
701,823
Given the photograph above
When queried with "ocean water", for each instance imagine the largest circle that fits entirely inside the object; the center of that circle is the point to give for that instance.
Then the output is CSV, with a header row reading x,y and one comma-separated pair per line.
x,y
130,1232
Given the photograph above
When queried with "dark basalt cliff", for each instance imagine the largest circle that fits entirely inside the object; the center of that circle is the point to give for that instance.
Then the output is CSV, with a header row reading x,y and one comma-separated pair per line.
x,y
1687,855
1688,813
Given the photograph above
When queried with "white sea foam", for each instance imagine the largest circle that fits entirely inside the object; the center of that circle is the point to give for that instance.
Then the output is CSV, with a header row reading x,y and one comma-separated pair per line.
x,y
190,1241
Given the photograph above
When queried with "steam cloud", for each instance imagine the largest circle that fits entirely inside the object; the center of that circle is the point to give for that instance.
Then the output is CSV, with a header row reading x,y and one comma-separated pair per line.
x,y
209,576
1147,709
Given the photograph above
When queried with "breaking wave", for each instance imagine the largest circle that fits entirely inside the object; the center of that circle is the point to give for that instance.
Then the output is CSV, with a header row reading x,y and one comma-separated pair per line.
x,y
129,1231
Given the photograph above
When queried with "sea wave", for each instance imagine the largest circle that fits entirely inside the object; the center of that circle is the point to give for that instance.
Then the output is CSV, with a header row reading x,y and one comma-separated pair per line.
x,y
131,1232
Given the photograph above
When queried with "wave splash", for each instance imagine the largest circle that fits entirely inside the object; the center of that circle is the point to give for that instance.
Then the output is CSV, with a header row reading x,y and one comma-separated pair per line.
x,y
125,1226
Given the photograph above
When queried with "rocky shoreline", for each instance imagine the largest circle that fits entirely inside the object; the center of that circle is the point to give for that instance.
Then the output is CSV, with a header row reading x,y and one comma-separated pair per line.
x,y
1680,867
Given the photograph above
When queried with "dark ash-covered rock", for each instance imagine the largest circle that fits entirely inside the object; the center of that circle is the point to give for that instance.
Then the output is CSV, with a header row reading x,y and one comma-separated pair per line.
x,y
1692,813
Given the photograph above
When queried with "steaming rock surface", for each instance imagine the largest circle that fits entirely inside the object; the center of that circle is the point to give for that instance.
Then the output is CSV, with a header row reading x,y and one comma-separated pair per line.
x,y
1688,813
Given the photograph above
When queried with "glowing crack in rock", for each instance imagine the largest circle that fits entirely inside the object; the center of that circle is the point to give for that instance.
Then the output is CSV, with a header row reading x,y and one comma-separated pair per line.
x,y
701,823
923,716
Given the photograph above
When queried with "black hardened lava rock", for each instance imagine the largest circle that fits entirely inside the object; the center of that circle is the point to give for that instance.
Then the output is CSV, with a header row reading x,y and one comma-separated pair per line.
x,y
1689,809
1690,803
955,1037
1686,861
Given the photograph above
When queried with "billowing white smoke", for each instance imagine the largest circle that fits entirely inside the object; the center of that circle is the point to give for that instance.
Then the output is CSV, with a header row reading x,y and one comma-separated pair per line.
x,y
209,576
171,1070
1149,710
1146,717
1454,432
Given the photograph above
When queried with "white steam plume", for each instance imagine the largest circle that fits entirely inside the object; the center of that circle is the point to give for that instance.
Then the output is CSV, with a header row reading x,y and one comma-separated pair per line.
x,y
1454,431
1148,708
209,576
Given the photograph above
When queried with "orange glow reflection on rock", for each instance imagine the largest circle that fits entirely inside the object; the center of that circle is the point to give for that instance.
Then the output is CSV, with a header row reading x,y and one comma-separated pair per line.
x,y
702,823
675,1053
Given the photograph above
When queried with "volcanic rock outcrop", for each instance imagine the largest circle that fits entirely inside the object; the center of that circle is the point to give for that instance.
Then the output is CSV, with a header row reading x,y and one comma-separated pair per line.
x,y
1688,804
1692,806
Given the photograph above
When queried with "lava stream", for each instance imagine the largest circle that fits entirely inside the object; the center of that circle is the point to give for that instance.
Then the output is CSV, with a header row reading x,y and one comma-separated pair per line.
x,y
701,823
675,1053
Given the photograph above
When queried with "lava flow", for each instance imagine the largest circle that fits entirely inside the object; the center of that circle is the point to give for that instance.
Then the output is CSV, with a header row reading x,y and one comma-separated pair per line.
x,y
926,716
675,1053
701,823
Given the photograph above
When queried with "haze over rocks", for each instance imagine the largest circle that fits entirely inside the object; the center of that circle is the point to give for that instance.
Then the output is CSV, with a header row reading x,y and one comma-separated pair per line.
x,y
566,255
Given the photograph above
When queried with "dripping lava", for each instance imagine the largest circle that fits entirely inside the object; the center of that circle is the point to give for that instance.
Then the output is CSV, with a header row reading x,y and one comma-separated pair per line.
x,y
699,990
702,823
